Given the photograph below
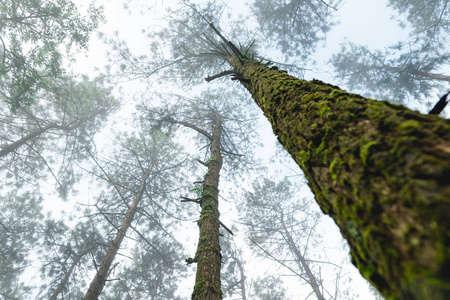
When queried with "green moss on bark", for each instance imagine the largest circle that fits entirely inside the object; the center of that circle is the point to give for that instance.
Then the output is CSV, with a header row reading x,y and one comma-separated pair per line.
x,y
208,257
381,171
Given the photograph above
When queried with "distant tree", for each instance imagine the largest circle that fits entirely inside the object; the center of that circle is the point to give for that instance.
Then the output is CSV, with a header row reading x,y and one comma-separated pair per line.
x,y
139,171
62,124
103,271
234,281
65,255
269,287
430,20
152,274
32,34
149,165
20,214
399,73
283,229
219,127
409,70
295,27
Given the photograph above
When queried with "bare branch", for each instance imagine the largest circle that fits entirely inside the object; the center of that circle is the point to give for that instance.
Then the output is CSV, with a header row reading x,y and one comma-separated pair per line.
x,y
221,74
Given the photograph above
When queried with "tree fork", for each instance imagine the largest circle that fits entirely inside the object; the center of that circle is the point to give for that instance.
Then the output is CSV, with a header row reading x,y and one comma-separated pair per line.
x,y
379,170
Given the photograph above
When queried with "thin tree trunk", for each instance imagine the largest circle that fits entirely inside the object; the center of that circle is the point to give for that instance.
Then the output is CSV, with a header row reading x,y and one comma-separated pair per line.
x,y
208,257
381,171
312,279
242,281
63,282
100,278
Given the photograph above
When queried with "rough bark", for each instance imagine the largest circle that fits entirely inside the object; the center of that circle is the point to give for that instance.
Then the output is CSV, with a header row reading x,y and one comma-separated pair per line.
x,y
101,277
381,171
208,257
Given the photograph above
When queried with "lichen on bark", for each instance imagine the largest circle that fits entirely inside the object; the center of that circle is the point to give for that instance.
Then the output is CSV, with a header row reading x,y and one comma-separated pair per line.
x,y
380,170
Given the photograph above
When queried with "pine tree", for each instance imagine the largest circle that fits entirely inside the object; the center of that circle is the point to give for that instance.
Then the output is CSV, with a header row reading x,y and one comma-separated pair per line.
x,y
378,169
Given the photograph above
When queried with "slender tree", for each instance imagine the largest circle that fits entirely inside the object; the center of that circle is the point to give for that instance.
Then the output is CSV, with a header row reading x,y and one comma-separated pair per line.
x,y
283,229
213,121
141,170
20,214
103,271
65,254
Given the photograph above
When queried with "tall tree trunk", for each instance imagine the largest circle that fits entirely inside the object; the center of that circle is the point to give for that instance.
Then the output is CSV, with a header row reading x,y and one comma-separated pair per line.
x,y
100,278
208,257
381,171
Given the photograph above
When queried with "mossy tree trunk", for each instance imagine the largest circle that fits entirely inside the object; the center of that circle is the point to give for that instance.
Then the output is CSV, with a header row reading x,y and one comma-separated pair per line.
x,y
101,277
208,257
381,171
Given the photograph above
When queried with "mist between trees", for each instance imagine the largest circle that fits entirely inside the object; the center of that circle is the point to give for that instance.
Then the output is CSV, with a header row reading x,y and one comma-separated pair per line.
x,y
156,178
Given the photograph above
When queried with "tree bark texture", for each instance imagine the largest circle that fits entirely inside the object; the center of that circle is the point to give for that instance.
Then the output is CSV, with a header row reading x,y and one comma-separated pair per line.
x,y
208,257
380,170
101,277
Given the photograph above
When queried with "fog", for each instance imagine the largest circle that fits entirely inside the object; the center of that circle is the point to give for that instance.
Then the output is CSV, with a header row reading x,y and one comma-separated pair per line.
x,y
115,152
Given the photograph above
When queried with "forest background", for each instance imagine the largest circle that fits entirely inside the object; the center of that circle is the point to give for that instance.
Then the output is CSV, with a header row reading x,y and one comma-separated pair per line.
x,y
96,121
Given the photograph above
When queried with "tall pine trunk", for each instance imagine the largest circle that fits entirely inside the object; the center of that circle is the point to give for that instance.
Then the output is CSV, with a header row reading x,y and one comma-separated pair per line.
x,y
381,171
208,257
